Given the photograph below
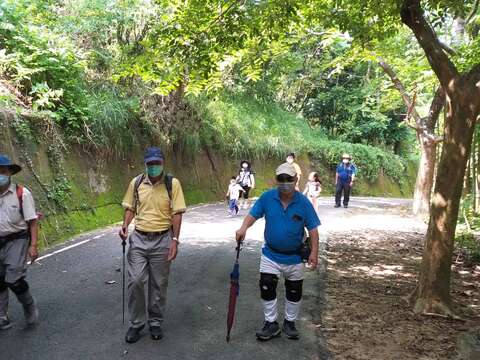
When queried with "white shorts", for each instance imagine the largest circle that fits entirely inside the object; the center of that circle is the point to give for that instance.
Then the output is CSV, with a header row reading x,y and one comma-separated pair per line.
x,y
290,272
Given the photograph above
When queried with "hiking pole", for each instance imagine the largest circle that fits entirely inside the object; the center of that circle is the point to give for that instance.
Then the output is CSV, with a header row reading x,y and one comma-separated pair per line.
x,y
124,243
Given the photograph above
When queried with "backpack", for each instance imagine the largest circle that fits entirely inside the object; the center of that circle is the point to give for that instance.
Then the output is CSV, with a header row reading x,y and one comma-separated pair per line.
x,y
19,192
138,181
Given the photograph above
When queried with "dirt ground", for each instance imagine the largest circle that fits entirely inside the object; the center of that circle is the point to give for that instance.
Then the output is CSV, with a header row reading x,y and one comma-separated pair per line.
x,y
372,266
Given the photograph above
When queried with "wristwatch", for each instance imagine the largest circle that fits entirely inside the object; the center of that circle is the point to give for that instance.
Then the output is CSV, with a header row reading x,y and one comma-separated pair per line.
x,y
175,239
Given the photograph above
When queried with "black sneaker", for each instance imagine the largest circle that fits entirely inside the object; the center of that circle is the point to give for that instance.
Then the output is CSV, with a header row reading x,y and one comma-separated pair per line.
x,y
345,206
269,331
5,323
290,330
133,334
156,332
337,206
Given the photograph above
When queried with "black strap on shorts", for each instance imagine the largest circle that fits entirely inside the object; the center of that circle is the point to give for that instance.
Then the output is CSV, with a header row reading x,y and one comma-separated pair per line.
x,y
10,237
285,252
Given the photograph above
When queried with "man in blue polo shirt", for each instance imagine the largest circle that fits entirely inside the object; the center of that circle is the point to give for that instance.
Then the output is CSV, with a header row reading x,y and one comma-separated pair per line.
x,y
344,178
287,213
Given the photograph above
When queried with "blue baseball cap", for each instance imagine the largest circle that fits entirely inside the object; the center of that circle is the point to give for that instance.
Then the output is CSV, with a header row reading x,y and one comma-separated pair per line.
x,y
153,154
6,162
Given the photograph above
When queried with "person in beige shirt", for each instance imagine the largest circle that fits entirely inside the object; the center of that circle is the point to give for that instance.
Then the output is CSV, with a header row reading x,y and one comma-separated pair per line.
x,y
291,160
18,241
156,201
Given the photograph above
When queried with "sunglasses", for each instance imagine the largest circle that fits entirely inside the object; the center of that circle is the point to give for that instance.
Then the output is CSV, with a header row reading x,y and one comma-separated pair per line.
x,y
284,178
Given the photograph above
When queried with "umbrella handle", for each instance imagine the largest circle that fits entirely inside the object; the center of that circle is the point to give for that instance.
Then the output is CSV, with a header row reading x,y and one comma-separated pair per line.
x,y
238,248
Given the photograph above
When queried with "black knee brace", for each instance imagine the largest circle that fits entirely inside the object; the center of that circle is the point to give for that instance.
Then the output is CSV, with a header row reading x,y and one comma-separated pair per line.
x,y
18,287
293,290
3,285
268,286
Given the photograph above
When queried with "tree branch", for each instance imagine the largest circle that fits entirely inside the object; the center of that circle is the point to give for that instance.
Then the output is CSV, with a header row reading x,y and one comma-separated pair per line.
x,y
403,92
447,48
412,16
438,102
473,12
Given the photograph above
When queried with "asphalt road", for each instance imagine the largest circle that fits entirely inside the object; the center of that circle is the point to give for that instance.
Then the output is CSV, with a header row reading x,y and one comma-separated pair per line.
x,y
81,315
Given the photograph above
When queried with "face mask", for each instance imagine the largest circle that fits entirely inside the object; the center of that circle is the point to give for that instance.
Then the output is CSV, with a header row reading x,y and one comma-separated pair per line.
x,y
346,161
244,166
4,180
286,188
154,170
290,160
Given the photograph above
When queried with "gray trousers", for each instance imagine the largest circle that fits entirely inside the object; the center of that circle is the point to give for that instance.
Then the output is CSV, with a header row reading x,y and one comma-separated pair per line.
x,y
148,271
13,267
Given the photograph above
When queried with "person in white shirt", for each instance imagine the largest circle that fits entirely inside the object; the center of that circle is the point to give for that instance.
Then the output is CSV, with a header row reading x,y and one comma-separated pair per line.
x,y
233,194
246,179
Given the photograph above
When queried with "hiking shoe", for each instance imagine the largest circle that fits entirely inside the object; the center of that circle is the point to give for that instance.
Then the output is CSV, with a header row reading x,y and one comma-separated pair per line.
x,y
156,332
337,206
133,334
290,330
345,206
31,313
269,331
5,323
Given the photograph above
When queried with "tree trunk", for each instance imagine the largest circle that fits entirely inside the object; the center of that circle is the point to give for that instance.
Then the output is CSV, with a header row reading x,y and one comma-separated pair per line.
x,y
433,292
425,175
463,107
425,128
477,180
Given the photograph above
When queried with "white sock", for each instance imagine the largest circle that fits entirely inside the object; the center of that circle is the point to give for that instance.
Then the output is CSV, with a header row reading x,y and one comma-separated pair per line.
x,y
270,310
292,310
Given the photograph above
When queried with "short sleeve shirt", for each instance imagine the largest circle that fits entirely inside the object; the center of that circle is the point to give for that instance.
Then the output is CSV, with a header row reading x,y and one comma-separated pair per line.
x,y
234,191
346,172
154,210
284,228
11,220
297,168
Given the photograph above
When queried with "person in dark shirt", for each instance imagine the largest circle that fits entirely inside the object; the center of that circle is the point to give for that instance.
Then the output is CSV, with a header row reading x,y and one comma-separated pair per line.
x,y
344,178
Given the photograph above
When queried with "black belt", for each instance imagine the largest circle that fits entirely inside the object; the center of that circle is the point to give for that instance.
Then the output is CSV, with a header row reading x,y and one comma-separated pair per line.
x,y
10,237
152,233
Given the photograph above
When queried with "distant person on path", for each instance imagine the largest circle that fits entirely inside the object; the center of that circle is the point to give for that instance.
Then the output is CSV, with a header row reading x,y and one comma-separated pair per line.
x,y
246,179
156,201
313,188
344,178
291,160
18,240
233,194
287,212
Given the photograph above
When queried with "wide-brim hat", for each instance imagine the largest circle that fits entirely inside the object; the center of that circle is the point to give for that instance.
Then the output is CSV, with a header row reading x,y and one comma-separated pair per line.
x,y
6,162
287,169
346,156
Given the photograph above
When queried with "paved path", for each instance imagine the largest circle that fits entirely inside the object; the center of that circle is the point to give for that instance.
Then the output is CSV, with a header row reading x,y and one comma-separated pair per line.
x,y
81,314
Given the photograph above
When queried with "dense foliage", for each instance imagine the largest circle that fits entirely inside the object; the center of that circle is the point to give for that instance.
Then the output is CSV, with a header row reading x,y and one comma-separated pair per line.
x,y
102,68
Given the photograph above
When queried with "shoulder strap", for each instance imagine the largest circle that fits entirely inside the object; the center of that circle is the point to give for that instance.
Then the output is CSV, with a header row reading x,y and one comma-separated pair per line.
x,y
19,191
169,185
138,180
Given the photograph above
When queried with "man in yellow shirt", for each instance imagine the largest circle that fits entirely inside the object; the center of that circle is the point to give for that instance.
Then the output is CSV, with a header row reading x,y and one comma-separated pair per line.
x,y
156,201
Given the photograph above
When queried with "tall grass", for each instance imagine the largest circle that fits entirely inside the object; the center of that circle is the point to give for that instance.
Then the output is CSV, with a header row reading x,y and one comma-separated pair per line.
x,y
239,125
112,118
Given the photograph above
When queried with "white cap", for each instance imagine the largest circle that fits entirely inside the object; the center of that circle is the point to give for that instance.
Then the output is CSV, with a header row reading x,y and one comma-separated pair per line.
x,y
287,169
